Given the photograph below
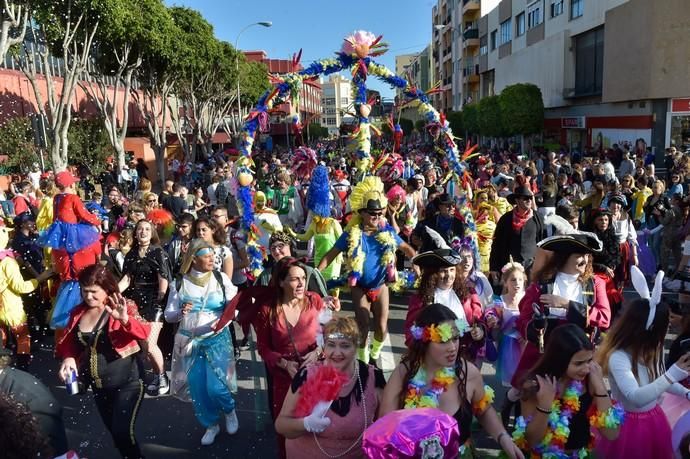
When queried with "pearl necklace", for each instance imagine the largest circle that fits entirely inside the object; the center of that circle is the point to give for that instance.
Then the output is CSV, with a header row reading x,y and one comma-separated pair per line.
x,y
364,409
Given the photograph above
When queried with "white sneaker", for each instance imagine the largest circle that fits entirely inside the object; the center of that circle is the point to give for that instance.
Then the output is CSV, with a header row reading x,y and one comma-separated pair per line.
x,y
232,424
210,435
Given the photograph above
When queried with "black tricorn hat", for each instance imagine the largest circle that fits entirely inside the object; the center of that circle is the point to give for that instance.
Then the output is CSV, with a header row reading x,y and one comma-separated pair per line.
x,y
442,258
567,244
521,191
372,205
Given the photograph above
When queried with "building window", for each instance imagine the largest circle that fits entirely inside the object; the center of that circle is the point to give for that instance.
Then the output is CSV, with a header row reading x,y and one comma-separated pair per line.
x,y
556,8
506,34
577,8
344,101
589,62
520,24
534,15
483,47
493,40
330,121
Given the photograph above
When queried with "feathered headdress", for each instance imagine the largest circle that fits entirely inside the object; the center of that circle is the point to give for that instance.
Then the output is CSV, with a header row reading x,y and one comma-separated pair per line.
x,y
369,188
317,196
304,162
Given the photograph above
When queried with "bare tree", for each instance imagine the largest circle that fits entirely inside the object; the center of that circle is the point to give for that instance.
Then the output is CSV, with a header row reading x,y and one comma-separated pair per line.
x,y
152,101
15,17
107,90
77,34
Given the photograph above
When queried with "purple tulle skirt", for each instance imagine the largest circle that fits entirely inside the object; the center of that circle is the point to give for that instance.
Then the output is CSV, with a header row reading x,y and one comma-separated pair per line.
x,y
71,237
643,435
509,352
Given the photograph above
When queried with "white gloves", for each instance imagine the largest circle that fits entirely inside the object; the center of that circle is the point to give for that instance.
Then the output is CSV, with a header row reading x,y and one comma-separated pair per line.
x,y
317,421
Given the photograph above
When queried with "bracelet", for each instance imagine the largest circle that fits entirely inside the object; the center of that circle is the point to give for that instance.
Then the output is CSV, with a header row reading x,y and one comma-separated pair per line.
x,y
498,438
542,410
601,395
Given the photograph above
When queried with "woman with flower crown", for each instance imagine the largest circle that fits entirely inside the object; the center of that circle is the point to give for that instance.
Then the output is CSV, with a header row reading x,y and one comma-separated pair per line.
x,y
434,374
638,337
564,399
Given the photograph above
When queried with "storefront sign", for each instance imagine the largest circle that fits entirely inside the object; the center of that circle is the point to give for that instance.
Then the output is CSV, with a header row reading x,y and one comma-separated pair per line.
x,y
680,105
573,122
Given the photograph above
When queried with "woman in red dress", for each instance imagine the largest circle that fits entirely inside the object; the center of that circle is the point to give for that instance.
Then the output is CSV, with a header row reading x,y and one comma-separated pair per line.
x,y
286,329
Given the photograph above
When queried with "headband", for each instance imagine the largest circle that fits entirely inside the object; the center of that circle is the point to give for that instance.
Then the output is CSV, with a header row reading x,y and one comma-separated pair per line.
x,y
438,333
203,251
640,284
339,335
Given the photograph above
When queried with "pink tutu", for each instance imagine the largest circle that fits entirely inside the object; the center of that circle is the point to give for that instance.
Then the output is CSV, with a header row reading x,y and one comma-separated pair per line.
x,y
674,407
642,436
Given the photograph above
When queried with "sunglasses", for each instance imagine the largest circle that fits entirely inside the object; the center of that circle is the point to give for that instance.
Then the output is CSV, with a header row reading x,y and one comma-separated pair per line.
x,y
151,201
375,214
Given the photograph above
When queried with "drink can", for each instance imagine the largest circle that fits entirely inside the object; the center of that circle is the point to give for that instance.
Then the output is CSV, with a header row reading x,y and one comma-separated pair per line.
x,y
72,383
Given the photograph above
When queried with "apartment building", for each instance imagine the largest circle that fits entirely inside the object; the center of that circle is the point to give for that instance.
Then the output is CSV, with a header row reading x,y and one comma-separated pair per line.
x,y
402,64
336,103
419,70
442,31
610,71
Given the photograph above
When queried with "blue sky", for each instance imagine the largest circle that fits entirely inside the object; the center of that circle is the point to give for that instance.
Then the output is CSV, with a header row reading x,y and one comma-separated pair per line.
x,y
318,26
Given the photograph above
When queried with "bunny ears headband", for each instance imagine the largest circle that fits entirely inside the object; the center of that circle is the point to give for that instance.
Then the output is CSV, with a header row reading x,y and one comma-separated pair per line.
x,y
640,284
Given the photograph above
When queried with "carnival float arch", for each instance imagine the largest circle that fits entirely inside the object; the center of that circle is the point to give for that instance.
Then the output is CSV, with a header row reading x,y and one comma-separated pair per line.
x,y
356,55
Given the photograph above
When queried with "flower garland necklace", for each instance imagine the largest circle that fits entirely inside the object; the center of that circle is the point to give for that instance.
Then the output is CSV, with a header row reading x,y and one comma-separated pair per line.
x,y
415,398
558,426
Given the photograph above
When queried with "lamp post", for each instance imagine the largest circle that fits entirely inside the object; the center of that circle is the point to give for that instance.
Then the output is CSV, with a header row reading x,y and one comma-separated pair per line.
x,y
237,64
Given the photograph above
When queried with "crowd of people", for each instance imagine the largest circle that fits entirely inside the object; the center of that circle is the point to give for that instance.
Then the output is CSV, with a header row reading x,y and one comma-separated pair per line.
x,y
520,263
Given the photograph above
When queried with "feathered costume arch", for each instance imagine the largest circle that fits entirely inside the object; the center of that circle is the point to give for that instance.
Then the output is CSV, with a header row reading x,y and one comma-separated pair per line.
x,y
356,55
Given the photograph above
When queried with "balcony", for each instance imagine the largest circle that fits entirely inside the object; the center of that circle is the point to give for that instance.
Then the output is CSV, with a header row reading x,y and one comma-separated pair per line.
x,y
470,6
470,74
471,38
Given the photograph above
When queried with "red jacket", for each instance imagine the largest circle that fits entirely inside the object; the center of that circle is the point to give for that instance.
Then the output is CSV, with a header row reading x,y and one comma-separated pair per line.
x,y
23,204
123,337
599,316
472,306
68,208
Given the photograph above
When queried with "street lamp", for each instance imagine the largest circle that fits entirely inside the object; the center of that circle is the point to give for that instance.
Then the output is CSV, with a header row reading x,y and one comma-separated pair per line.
x,y
237,62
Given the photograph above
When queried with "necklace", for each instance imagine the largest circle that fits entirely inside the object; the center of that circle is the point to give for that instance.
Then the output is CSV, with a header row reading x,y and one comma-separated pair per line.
x,y
558,426
429,399
364,410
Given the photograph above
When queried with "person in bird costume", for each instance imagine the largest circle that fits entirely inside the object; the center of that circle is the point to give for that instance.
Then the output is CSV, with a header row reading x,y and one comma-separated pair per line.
x,y
75,238
369,243
13,320
323,228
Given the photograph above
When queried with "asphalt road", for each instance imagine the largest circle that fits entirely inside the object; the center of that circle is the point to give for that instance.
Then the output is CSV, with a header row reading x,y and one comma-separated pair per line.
x,y
167,428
